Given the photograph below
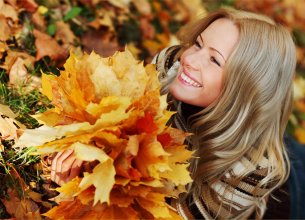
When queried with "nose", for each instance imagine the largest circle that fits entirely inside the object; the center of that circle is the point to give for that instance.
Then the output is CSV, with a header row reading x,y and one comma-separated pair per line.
x,y
194,59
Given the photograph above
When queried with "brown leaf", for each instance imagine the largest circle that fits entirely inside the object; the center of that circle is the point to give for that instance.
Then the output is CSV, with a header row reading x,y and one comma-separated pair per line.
x,y
38,20
47,46
18,74
5,31
8,11
20,209
12,56
9,127
3,46
100,42
64,33
28,5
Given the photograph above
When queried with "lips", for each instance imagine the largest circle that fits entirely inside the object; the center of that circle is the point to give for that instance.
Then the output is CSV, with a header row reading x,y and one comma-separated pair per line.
x,y
188,80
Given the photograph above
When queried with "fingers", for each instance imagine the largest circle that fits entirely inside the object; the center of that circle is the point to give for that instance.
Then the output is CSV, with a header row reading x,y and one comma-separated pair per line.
x,y
75,169
65,167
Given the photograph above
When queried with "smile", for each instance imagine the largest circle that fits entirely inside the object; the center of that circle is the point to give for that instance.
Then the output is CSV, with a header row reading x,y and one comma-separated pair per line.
x,y
189,81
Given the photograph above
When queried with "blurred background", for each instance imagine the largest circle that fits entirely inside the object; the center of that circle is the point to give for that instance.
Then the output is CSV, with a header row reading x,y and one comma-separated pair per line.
x,y
37,35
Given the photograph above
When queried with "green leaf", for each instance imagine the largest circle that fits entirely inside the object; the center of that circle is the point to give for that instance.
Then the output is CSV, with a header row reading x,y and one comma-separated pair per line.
x,y
51,29
72,13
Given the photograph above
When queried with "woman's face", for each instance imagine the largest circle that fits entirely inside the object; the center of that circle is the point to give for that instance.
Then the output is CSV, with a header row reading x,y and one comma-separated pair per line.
x,y
199,78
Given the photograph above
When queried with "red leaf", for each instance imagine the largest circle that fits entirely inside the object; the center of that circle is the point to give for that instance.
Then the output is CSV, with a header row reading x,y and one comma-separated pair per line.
x,y
146,124
165,139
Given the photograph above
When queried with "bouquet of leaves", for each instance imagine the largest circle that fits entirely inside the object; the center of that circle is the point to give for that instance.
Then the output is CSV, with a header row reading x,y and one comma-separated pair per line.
x,y
110,110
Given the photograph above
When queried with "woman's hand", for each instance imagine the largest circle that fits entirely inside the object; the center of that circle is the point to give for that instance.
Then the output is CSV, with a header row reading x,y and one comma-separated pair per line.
x,y
65,167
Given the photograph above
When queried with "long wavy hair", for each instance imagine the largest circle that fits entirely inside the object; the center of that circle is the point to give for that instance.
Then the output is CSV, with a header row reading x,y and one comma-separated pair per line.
x,y
250,115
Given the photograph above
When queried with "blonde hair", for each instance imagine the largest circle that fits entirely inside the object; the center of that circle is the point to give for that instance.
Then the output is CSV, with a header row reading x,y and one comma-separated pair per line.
x,y
250,115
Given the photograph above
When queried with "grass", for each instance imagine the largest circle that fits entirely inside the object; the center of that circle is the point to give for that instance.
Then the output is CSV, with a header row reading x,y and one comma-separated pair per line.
x,y
18,167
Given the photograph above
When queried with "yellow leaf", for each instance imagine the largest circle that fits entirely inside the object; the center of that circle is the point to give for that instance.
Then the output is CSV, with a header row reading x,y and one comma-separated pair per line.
x,y
102,177
155,204
47,85
89,153
107,105
152,158
68,190
179,174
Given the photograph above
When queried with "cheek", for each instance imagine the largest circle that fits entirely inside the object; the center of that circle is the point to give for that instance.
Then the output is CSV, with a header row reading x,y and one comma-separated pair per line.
x,y
214,85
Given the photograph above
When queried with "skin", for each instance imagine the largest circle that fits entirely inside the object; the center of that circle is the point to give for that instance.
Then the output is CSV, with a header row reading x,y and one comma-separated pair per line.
x,y
203,63
200,76
65,167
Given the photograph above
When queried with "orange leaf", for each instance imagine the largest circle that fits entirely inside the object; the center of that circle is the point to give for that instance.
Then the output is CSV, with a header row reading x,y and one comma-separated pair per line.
x,y
5,30
20,209
28,5
165,139
47,46
146,124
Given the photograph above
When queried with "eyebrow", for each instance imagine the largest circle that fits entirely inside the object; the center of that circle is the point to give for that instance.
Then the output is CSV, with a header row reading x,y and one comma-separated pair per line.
x,y
212,48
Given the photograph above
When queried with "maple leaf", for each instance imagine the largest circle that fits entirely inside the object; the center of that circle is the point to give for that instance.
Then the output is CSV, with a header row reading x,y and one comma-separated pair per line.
x,y
102,176
9,127
20,209
155,204
121,124
5,30
28,5
102,43
8,11
64,33
47,46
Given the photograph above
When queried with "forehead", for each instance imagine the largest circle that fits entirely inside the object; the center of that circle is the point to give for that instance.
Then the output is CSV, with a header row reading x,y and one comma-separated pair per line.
x,y
222,34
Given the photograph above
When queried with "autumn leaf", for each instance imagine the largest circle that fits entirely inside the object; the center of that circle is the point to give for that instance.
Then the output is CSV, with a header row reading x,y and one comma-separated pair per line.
x,y
9,127
47,46
8,11
64,34
5,30
28,5
102,176
120,124
20,209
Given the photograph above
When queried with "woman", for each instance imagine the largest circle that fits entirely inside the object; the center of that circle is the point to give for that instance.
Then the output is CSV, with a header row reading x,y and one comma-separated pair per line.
x,y
232,89
230,82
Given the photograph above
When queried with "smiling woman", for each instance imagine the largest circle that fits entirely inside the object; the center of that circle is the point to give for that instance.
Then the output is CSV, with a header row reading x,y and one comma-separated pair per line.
x,y
230,82
202,65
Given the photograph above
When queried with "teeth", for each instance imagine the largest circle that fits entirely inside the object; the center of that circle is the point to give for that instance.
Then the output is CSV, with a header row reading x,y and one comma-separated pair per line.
x,y
189,80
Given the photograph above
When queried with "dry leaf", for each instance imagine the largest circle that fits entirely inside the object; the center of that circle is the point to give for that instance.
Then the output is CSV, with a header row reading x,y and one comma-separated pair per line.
x,y
28,5
47,46
5,30
9,127
64,33
8,11
121,124
20,209
103,43
18,74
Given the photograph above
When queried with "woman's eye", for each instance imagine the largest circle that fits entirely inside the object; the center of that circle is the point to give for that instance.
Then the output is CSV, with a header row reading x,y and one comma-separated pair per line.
x,y
197,44
213,59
